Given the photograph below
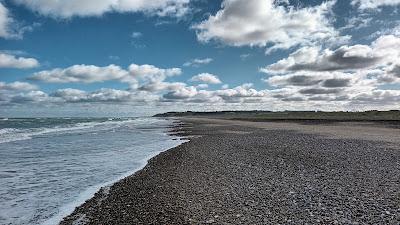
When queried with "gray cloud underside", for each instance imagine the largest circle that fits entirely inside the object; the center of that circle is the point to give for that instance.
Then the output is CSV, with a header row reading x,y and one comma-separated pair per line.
x,y
382,52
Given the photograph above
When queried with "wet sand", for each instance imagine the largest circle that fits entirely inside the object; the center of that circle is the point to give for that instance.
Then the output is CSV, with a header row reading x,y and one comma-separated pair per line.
x,y
239,172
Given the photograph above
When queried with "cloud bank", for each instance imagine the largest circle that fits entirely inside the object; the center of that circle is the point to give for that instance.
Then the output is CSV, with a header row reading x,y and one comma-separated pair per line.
x,y
92,74
316,74
383,51
348,74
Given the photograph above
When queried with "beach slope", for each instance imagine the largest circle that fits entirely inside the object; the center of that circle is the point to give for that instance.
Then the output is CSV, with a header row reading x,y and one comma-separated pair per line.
x,y
241,172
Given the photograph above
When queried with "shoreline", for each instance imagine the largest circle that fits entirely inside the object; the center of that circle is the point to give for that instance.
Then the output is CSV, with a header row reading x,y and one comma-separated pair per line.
x,y
91,192
103,188
185,184
78,218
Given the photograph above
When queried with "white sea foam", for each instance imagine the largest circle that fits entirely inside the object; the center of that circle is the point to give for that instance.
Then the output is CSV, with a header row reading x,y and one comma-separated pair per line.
x,y
45,178
89,192
14,134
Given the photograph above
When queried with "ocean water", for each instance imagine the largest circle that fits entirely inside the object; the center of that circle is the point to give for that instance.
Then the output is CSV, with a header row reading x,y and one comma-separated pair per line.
x,y
48,166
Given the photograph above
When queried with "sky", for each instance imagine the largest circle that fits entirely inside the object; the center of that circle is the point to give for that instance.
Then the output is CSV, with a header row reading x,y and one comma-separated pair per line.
x,y
140,57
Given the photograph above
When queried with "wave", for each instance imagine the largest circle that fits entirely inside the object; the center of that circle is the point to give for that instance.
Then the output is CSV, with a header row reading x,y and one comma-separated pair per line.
x,y
19,134
46,178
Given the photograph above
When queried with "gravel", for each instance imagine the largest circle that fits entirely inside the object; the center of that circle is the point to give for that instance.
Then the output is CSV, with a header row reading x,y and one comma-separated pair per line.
x,y
231,174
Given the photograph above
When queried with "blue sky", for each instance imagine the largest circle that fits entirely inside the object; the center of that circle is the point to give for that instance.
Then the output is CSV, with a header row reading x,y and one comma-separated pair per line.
x,y
137,57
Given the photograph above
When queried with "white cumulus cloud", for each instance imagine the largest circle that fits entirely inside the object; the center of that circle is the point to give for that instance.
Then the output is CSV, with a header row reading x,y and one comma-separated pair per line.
x,y
17,86
70,8
152,73
198,62
81,73
20,92
206,78
101,95
9,27
263,22
145,77
373,4
5,22
12,61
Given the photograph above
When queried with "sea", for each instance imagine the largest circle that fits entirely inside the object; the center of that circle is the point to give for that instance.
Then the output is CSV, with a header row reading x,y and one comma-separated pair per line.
x,y
49,166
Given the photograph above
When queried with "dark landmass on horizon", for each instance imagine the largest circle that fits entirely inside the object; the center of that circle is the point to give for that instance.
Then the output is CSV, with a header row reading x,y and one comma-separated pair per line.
x,y
373,115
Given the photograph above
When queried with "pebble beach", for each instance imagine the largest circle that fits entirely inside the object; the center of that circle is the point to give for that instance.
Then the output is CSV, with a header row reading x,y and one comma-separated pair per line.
x,y
236,172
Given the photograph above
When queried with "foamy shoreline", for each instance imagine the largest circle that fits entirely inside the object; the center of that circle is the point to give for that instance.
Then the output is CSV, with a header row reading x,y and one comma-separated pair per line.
x,y
44,177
